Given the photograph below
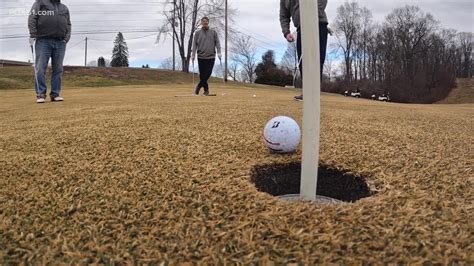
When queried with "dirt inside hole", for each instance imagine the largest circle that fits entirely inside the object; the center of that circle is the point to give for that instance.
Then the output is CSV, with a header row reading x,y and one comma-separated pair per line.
x,y
284,179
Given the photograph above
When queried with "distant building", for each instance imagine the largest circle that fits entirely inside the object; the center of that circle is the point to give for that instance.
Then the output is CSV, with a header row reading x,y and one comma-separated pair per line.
x,y
11,63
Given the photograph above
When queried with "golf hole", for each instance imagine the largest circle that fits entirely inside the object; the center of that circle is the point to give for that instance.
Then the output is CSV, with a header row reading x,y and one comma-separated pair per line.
x,y
334,186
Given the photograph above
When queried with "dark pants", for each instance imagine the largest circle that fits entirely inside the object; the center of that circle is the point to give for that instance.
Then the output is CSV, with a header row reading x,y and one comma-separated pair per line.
x,y
205,71
323,42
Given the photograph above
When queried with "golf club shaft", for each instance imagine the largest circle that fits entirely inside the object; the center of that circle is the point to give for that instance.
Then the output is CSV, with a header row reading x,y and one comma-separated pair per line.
x,y
296,70
194,83
33,53
223,75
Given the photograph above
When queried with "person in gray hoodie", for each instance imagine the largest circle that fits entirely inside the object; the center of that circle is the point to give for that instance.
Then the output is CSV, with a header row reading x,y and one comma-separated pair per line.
x,y
290,10
205,44
49,24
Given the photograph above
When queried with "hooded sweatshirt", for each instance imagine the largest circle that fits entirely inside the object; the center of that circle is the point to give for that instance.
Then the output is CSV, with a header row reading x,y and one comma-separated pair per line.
x,y
290,9
49,19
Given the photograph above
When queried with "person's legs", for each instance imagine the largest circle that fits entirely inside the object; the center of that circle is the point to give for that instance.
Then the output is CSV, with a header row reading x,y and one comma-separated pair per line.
x,y
43,52
323,41
209,66
201,67
57,58
300,60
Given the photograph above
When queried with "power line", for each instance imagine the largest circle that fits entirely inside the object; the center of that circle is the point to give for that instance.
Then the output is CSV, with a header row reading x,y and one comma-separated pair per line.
x,y
263,44
253,32
72,46
92,2
85,21
123,12
126,39
95,6
15,36
86,27
97,49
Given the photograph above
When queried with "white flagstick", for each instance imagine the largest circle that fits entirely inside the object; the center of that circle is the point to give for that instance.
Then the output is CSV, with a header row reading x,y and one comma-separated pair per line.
x,y
311,102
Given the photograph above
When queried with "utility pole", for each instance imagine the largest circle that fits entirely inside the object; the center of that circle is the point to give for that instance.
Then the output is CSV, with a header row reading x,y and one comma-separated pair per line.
x,y
85,58
226,40
174,30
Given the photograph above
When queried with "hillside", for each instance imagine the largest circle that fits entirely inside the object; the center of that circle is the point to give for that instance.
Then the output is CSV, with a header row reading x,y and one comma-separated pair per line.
x,y
23,77
463,93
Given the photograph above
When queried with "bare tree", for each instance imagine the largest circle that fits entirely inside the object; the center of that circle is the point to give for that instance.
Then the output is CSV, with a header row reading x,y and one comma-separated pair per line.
x,y
187,20
234,70
218,71
329,67
375,50
408,55
412,29
465,40
361,44
289,61
244,53
347,25
168,64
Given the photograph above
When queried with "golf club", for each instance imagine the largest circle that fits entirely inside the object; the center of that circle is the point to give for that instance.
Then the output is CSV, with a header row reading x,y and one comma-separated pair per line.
x,y
33,53
223,74
297,68
194,84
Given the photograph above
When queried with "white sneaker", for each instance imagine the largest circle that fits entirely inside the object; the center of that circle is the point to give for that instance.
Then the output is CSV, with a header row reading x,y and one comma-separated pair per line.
x,y
57,99
40,100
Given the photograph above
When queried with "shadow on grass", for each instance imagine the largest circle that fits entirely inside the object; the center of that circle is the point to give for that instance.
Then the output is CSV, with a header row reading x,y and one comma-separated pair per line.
x,y
283,179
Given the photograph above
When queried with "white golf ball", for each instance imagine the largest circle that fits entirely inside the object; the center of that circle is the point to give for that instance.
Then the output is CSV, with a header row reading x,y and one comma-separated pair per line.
x,y
282,135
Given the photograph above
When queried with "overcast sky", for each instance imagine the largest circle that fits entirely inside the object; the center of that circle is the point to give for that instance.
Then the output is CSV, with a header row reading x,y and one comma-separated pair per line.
x,y
257,18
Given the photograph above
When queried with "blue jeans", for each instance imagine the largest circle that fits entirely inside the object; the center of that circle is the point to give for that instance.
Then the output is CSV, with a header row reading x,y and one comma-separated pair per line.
x,y
45,49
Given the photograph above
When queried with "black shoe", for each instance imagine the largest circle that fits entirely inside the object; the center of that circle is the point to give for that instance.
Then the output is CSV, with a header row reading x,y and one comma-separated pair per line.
x,y
298,98
206,93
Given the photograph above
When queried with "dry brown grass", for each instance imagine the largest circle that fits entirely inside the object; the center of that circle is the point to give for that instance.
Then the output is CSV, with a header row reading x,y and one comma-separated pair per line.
x,y
134,175
463,93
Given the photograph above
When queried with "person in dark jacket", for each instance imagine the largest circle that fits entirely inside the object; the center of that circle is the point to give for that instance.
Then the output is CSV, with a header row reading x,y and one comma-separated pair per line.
x,y
205,44
290,10
49,24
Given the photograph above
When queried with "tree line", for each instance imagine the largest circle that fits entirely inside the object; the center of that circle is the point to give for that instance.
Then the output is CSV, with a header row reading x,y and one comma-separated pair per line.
x,y
408,55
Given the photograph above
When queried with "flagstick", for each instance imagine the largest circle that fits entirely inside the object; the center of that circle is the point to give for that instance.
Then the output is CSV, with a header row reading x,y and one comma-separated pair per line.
x,y
311,100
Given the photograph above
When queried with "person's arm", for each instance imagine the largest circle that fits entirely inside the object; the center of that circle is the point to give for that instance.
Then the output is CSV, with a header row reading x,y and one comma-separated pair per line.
x,y
218,44
285,18
68,33
33,21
